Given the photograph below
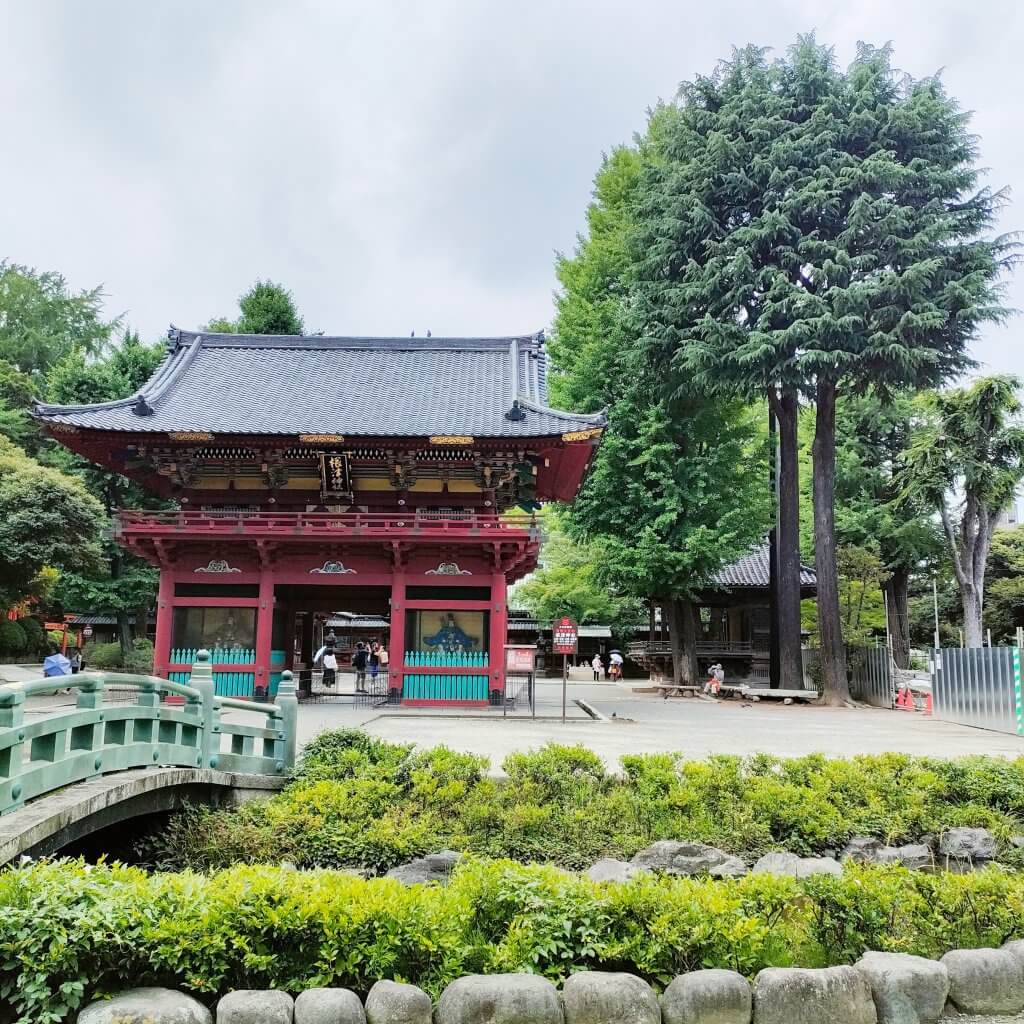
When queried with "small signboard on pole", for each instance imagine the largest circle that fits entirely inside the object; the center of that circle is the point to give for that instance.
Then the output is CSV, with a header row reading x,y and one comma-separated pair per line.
x,y
564,641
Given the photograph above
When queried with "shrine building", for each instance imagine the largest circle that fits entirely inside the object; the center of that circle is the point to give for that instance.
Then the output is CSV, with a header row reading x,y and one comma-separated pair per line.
x,y
389,477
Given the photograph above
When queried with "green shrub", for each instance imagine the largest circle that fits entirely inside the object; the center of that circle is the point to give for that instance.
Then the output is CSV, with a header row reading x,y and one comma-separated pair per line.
x,y
35,635
358,801
70,932
13,641
103,656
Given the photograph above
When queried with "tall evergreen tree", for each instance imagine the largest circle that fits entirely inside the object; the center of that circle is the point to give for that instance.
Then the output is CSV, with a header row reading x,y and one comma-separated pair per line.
x,y
812,232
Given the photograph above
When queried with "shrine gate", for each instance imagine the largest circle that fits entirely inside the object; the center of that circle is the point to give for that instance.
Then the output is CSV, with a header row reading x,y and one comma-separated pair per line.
x,y
307,475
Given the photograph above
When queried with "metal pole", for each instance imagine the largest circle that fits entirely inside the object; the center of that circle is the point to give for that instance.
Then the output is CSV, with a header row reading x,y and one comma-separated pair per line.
x,y
565,678
988,632
935,600
1020,636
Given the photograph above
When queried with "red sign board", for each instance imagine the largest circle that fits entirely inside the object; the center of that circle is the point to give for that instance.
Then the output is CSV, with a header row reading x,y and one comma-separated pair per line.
x,y
564,636
519,659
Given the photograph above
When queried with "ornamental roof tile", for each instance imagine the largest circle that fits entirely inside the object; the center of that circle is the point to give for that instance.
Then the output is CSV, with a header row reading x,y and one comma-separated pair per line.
x,y
370,387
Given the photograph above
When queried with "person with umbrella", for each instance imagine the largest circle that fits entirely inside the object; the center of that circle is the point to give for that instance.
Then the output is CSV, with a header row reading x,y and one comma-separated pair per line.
x,y
615,658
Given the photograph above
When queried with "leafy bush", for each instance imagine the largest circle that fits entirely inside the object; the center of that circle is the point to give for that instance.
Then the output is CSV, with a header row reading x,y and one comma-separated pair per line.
x,y
359,801
13,641
109,657
70,932
35,635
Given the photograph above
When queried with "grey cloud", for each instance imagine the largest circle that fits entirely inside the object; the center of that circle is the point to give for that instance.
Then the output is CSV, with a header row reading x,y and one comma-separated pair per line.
x,y
398,165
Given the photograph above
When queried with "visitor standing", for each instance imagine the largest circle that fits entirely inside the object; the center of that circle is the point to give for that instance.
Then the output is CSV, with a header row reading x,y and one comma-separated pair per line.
x,y
374,662
615,659
597,666
359,660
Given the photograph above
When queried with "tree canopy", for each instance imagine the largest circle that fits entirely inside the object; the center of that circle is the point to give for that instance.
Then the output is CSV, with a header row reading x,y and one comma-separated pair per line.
x,y
967,459
47,519
42,320
266,308
818,231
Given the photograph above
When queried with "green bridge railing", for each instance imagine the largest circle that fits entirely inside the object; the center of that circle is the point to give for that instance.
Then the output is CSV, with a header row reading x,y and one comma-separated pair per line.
x,y
40,755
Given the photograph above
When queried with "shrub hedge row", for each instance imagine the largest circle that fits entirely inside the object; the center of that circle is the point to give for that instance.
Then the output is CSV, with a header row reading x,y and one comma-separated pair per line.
x,y
69,932
359,801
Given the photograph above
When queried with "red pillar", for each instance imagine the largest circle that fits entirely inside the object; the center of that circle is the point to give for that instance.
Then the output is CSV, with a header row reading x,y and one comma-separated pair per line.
x,y
164,623
396,642
264,629
499,631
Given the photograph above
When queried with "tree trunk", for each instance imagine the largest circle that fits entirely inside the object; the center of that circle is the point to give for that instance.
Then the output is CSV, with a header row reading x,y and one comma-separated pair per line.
x,y
683,634
830,630
124,633
971,604
791,672
895,590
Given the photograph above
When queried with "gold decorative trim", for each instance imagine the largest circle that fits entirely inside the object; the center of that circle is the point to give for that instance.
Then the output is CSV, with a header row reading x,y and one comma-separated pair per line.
x,y
321,438
583,435
190,435
452,439
63,428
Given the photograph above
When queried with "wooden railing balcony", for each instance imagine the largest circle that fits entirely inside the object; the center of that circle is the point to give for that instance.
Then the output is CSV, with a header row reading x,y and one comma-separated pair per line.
x,y
421,522
718,648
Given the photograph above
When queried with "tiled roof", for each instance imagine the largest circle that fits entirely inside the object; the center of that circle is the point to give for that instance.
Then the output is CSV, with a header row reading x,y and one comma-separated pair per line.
x,y
101,620
752,571
269,384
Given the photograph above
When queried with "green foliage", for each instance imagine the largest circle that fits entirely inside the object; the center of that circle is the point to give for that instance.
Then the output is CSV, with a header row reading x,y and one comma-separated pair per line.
x,y
966,459
35,635
1004,598
112,658
269,308
41,320
46,519
360,802
13,639
676,492
71,932
570,582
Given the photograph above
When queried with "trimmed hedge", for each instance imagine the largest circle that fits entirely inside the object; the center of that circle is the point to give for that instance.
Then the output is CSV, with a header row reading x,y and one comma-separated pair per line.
x,y
358,801
70,932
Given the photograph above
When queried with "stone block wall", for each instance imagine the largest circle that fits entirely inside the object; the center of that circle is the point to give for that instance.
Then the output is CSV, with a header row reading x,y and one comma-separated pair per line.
x,y
881,988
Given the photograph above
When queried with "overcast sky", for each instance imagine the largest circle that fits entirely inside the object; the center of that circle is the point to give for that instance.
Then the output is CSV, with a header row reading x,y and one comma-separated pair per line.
x,y
399,166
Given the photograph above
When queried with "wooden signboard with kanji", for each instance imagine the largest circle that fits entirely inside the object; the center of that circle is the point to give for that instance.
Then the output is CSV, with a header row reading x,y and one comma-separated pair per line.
x,y
565,636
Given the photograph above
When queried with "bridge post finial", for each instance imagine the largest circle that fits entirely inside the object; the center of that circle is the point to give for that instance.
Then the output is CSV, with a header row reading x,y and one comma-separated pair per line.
x,y
289,705
201,679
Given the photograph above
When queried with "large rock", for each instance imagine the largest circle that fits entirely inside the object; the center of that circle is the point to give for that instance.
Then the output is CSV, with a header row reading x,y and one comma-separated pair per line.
x,y
255,1006
608,869
499,999
150,1005
794,995
866,850
435,867
390,1002
328,1006
597,997
675,858
863,849
906,989
796,867
985,980
707,997
968,844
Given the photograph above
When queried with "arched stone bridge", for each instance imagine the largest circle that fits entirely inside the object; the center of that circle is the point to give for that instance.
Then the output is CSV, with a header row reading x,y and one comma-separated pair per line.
x,y
68,774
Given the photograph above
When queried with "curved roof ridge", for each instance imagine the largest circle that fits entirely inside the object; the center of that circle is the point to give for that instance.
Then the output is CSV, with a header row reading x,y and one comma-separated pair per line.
x,y
597,418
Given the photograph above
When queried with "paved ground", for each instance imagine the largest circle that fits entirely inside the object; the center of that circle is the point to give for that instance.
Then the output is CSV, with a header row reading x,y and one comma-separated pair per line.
x,y
647,723
638,722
